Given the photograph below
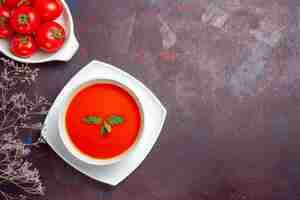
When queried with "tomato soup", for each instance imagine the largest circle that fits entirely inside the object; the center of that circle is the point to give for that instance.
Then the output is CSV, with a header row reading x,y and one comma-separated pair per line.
x,y
103,99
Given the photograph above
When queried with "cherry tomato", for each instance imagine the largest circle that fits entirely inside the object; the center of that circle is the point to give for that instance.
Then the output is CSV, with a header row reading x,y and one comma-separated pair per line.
x,y
48,9
24,20
15,3
5,30
50,37
23,46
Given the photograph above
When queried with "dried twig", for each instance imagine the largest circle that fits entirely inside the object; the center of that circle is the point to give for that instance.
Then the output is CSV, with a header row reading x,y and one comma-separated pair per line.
x,y
17,113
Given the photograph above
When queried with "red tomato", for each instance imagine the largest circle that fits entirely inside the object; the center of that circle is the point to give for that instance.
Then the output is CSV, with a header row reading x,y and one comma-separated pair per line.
x,y
16,3
23,46
24,20
5,30
48,9
50,37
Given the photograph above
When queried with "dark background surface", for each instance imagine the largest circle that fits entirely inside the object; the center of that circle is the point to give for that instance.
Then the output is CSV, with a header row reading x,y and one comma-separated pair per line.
x,y
228,73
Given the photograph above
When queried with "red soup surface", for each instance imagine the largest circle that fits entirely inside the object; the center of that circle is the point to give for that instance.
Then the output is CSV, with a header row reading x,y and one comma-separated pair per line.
x,y
103,99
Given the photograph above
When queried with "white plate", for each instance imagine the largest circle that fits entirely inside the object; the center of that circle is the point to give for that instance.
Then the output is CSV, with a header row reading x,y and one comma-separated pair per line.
x,y
154,117
67,51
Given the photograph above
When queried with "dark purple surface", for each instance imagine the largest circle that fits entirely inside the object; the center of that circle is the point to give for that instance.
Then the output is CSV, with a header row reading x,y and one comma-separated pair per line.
x,y
227,72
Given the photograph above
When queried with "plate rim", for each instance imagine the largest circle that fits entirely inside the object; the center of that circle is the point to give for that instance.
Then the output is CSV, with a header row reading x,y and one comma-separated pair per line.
x,y
163,114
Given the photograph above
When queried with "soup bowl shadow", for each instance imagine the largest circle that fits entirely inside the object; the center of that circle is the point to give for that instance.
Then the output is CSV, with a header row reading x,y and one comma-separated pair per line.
x,y
70,146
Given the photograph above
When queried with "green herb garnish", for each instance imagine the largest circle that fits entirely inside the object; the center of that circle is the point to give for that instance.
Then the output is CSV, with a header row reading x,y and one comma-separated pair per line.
x,y
92,120
103,131
115,120
105,125
106,128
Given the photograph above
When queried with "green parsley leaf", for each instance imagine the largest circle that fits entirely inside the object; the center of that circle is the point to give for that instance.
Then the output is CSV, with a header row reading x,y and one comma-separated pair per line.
x,y
106,128
103,131
115,120
92,120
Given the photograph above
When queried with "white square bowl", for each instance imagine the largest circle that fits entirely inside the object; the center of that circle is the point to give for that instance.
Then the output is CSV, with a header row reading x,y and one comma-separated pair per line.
x,y
154,117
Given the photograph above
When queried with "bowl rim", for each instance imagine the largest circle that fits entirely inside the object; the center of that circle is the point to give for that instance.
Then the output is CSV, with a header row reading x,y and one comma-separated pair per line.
x,y
71,147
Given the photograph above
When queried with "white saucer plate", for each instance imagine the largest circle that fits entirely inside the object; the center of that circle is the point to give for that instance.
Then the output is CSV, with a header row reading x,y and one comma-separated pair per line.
x,y
154,117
